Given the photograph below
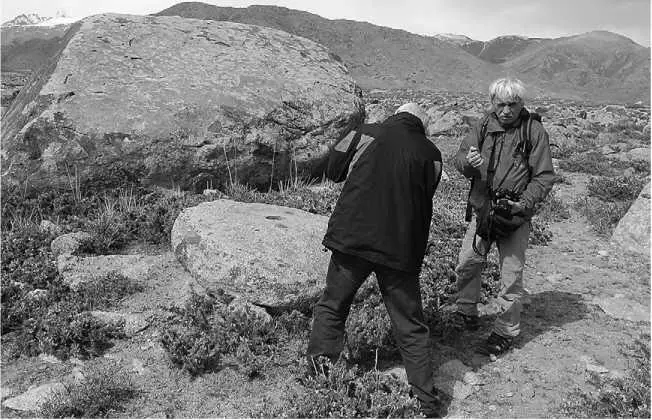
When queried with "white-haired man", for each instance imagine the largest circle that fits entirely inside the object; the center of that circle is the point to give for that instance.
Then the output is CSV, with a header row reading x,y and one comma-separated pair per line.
x,y
380,224
507,157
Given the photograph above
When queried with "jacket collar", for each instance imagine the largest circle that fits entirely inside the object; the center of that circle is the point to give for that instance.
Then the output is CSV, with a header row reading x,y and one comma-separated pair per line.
x,y
493,125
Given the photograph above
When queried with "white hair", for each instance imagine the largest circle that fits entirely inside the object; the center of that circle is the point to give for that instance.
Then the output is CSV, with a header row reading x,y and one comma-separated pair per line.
x,y
507,90
416,110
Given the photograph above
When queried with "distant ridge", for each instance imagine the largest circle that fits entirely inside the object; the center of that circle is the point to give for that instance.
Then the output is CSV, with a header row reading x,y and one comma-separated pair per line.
x,y
598,66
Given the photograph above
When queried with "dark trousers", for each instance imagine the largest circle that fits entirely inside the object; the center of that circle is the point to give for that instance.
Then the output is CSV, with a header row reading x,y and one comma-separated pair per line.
x,y
402,297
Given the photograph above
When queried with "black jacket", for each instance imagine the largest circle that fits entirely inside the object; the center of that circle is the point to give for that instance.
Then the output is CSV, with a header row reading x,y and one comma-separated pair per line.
x,y
383,213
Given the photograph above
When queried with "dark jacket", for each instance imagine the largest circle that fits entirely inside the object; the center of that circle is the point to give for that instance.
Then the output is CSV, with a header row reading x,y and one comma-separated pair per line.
x,y
383,213
532,178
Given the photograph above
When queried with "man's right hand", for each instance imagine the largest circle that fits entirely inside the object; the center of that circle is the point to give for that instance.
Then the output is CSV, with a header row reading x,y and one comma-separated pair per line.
x,y
473,157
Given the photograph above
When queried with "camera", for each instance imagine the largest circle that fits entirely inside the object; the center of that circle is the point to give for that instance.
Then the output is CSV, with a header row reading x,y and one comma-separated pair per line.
x,y
500,203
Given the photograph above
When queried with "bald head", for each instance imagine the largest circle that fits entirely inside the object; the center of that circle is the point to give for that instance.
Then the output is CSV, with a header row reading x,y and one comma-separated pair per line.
x,y
416,110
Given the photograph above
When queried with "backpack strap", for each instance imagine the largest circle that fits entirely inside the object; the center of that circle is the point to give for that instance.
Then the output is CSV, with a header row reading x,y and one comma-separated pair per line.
x,y
483,132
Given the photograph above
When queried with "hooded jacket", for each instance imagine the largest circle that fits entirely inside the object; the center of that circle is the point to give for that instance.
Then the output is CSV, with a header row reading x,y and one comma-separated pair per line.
x,y
532,178
384,210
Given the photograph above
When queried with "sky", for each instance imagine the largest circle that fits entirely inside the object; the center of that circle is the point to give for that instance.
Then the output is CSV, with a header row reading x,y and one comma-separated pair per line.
x,y
478,19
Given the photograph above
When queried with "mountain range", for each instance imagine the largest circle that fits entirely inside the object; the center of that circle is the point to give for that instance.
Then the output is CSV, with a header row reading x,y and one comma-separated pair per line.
x,y
597,66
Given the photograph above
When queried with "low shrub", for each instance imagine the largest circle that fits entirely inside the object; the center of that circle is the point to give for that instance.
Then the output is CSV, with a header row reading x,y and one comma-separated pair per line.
x,y
627,397
552,209
101,393
369,330
620,188
602,216
348,393
200,335
58,323
590,162
63,331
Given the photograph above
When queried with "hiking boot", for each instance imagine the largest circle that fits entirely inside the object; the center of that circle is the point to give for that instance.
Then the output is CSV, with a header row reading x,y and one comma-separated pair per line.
x,y
496,345
435,409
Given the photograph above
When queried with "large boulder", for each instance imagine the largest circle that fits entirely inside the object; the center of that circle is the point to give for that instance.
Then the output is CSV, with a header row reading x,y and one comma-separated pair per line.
x,y
268,255
633,231
169,100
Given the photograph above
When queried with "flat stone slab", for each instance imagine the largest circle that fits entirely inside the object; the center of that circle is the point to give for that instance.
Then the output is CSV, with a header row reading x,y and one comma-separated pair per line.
x,y
623,308
270,255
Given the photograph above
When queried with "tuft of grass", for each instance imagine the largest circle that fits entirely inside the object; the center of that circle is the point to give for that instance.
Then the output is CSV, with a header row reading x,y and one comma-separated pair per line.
x,y
627,397
101,393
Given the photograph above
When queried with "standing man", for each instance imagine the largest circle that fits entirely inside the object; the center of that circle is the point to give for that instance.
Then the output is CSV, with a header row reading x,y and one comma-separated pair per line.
x,y
507,157
381,223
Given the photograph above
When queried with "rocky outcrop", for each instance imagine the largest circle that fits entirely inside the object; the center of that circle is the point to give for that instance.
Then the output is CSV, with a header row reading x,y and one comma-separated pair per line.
x,y
633,231
268,255
171,100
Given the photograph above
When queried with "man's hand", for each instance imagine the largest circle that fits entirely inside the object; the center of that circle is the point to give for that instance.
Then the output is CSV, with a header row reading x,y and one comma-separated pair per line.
x,y
473,157
517,207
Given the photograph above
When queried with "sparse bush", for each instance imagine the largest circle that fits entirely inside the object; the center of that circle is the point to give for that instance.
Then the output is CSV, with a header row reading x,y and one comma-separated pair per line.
x,y
347,393
369,330
100,394
603,216
540,233
552,210
59,324
198,337
621,188
63,331
627,397
590,162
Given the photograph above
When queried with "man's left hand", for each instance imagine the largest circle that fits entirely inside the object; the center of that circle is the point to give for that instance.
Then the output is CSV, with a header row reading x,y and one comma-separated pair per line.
x,y
517,206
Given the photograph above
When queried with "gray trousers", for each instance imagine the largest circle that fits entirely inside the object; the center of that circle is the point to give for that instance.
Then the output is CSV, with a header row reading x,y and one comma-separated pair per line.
x,y
402,297
511,252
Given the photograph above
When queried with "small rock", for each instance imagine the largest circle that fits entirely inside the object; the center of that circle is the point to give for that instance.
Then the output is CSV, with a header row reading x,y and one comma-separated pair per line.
x,y
592,365
69,243
454,368
49,358
555,278
50,227
33,399
492,407
6,392
603,253
472,378
527,392
37,294
77,375
455,389
493,357
398,373
138,366
248,310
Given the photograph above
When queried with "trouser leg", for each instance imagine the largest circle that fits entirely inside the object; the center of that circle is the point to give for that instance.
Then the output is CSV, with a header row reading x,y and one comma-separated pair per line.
x,y
402,297
346,273
512,261
469,270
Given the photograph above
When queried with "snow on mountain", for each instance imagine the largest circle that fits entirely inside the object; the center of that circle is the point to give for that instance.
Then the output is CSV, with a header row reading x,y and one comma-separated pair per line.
x,y
33,19
452,37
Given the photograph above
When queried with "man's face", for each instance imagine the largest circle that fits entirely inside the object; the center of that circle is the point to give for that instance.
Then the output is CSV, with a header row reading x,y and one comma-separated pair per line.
x,y
507,110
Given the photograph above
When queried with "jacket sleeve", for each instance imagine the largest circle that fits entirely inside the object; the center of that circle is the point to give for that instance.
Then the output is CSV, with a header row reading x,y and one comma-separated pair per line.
x,y
471,139
542,173
341,155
